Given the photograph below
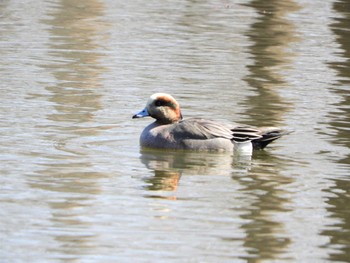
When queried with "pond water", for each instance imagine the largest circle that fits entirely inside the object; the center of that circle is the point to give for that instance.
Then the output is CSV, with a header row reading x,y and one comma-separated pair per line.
x,y
75,185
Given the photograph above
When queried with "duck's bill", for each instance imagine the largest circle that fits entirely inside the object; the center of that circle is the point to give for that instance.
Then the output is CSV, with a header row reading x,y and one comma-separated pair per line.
x,y
141,114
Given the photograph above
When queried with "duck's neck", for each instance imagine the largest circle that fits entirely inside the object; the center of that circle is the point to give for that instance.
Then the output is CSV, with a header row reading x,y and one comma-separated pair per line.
x,y
166,122
171,118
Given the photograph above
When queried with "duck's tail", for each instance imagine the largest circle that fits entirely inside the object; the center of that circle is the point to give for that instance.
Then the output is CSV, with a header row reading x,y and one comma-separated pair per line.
x,y
268,135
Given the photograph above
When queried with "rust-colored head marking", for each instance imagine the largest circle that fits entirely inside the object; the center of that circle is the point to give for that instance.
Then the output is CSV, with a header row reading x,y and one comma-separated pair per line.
x,y
164,108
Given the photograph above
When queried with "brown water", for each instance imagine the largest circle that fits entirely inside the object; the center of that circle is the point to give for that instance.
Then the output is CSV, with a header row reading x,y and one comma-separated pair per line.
x,y
75,186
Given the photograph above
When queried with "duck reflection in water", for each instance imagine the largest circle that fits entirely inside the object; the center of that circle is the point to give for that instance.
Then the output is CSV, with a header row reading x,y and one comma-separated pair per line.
x,y
168,166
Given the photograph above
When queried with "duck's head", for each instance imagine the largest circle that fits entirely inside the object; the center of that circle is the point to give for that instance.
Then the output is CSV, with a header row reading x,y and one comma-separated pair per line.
x,y
162,107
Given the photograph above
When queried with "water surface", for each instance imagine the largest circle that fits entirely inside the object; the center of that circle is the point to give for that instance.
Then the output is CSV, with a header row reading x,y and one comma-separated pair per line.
x,y
75,185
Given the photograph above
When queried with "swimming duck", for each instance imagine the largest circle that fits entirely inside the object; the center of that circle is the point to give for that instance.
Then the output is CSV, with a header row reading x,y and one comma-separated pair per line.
x,y
171,131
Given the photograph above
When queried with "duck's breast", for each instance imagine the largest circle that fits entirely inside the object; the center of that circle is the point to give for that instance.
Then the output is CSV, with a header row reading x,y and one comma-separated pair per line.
x,y
158,136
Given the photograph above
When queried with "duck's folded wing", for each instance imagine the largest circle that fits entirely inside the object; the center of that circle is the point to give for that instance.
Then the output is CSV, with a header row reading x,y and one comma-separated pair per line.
x,y
245,133
201,129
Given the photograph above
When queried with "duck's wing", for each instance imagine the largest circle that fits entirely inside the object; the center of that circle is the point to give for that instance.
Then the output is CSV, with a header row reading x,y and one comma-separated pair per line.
x,y
200,129
245,133
196,128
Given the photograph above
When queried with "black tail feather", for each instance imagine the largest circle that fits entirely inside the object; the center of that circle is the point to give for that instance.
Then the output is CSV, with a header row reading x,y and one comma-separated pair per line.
x,y
268,134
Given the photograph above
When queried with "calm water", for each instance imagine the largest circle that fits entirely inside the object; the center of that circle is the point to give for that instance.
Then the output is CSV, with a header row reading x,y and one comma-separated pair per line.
x,y
75,185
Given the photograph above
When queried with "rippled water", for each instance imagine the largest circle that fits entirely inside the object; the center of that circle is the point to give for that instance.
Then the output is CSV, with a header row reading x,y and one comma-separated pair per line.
x,y
75,185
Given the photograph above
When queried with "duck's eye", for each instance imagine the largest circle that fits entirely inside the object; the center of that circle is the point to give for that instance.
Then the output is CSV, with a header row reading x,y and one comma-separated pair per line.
x,y
159,103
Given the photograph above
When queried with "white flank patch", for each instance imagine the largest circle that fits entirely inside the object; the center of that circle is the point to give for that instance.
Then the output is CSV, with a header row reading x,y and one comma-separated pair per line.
x,y
243,148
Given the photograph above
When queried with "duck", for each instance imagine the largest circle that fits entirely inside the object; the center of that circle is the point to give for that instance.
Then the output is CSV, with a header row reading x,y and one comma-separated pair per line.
x,y
170,131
